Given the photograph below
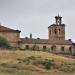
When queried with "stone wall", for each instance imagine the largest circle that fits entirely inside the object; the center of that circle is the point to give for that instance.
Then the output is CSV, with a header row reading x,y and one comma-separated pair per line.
x,y
67,49
12,37
56,32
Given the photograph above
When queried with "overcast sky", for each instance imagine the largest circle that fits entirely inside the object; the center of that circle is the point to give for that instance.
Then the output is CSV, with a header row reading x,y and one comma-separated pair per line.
x,y
34,16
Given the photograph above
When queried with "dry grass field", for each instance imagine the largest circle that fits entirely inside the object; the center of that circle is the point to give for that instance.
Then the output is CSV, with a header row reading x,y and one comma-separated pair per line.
x,y
35,63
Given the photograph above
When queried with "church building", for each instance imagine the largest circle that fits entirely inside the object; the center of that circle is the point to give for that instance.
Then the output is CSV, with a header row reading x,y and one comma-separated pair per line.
x,y
55,43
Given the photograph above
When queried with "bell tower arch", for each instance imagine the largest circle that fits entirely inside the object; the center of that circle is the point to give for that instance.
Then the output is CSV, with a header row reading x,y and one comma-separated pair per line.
x,y
58,20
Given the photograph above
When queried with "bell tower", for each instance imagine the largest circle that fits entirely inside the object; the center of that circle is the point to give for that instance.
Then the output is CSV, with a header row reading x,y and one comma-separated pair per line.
x,y
57,31
58,20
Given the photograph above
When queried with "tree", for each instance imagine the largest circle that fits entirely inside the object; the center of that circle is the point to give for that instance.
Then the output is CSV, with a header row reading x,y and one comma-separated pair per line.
x,y
4,43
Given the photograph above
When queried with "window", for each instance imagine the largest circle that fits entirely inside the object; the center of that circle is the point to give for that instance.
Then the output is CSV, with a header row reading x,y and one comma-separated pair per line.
x,y
59,31
44,47
70,49
55,31
62,48
53,48
34,47
27,46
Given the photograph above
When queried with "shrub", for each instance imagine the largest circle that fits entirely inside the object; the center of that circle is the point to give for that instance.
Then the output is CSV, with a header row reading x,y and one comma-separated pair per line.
x,y
31,58
67,68
26,60
4,43
47,64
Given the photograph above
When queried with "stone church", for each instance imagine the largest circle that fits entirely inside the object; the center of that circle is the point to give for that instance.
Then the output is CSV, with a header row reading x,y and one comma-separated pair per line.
x,y
55,43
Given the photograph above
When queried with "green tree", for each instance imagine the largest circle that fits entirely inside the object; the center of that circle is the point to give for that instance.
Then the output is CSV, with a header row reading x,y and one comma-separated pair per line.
x,y
4,43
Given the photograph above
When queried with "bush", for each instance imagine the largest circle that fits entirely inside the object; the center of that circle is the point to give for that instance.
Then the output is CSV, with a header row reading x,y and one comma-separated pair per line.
x,y
67,68
47,64
31,58
26,60
4,43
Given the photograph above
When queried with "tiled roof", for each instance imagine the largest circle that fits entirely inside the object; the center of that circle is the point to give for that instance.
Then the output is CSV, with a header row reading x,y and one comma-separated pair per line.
x,y
45,41
6,29
56,25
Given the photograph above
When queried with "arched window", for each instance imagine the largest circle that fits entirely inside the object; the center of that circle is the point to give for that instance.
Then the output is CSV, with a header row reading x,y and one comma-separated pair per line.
x,y
27,47
53,48
44,47
35,47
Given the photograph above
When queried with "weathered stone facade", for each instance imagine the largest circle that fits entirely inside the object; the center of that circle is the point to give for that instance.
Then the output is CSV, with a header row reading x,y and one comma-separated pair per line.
x,y
55,43
12,36
47,45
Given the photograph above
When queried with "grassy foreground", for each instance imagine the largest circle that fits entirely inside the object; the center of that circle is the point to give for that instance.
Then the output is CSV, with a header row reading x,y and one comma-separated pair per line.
x,y
35,63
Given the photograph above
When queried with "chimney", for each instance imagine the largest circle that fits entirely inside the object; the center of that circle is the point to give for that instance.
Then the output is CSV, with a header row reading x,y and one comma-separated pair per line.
x,y
30,36
69,39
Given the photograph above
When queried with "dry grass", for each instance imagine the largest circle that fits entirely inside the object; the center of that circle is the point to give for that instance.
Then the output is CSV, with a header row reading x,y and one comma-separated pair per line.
x,y
4,55
10,57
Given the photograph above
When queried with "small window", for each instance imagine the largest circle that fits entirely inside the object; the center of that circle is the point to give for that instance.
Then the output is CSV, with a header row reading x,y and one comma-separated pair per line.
x,y
27,46
55,31
59,31
70,49
52,48
44,47
62,48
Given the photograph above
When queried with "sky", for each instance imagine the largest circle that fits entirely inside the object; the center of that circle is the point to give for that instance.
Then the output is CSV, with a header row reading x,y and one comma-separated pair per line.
x,y
34,16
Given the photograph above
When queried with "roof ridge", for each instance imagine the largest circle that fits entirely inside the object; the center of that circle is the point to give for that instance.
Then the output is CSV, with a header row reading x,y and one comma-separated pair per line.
x,y
3,28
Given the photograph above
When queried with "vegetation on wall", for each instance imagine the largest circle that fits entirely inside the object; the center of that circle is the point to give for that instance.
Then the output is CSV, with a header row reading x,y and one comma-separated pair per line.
x,y
4,43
